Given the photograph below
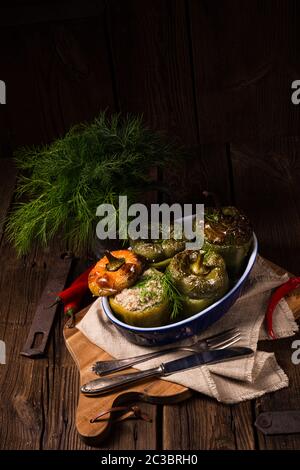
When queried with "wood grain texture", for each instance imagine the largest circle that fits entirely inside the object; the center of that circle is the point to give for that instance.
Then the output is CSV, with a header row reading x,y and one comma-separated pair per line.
x,y
23,382
26,12
266,176
7,184
151,61
204,424
245,59
150,48
228,65
200,424
206,170
61,76
30,389
285,399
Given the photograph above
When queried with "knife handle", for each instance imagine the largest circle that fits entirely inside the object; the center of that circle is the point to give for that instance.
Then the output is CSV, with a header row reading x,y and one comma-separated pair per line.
x,y
109,384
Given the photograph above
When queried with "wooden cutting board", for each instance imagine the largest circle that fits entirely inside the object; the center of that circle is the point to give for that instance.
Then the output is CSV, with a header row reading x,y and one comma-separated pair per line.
x,y
157,391
85,354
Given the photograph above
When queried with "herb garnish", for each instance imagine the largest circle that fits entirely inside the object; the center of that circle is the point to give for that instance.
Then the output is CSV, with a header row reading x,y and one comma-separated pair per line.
x,y
63,183
172,293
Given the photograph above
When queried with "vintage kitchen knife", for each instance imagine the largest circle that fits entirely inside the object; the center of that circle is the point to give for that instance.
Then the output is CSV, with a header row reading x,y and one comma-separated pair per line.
x,y
109,384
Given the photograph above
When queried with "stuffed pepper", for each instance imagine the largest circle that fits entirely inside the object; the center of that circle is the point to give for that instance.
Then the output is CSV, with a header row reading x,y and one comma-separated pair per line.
x,y
158,252
228,231
144,304
114,272
200,277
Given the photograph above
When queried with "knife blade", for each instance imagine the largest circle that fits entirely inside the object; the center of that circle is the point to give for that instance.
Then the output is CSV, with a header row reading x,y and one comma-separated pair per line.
x,y
109,384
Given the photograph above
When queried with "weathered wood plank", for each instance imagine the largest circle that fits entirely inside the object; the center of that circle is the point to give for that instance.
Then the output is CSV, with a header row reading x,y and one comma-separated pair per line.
x,y
153,74
207,170
60,406
203,424
22,413
48,11
200,423
152,65
285,399
5,137
7,184
266,177
21,380
61,73
242,424
266,185
245,56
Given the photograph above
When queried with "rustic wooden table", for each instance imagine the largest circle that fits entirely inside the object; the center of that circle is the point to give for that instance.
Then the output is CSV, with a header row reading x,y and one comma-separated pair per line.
x,y
38,397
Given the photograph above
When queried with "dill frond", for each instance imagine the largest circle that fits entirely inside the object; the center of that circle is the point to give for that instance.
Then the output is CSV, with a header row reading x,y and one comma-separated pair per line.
x,y
174,296
61,184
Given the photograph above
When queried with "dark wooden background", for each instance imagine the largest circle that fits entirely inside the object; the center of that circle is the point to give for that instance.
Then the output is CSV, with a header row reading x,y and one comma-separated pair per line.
x,y
216,74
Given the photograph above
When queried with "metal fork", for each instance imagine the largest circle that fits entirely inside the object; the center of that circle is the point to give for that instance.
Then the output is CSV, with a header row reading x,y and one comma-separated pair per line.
x,y
220,341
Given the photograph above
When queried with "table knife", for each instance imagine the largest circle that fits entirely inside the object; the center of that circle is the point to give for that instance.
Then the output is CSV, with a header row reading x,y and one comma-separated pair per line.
x,y
109,384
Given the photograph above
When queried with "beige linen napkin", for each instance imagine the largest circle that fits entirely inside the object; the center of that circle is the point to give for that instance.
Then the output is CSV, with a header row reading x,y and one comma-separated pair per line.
x,y
228,382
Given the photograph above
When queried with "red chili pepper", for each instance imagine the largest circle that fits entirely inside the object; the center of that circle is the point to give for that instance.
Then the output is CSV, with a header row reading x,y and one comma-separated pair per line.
x,y
83,277
71,307
70,310
78,286
279,293
72,291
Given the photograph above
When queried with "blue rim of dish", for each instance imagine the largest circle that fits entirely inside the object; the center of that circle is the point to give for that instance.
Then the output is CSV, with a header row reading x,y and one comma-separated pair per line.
x,y
109,313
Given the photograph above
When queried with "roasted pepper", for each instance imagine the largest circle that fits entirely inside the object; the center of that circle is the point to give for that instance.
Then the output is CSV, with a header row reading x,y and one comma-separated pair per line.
x,y
114,272
201,278
228,231
144,304
158,251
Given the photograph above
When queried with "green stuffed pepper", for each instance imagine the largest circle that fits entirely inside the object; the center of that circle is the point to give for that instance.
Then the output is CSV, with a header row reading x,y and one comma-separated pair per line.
x,y
200,277
144,304
158,252
228,231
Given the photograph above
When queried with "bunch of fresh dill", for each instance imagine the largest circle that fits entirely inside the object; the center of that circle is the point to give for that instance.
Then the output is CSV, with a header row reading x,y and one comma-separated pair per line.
x,y
61,184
